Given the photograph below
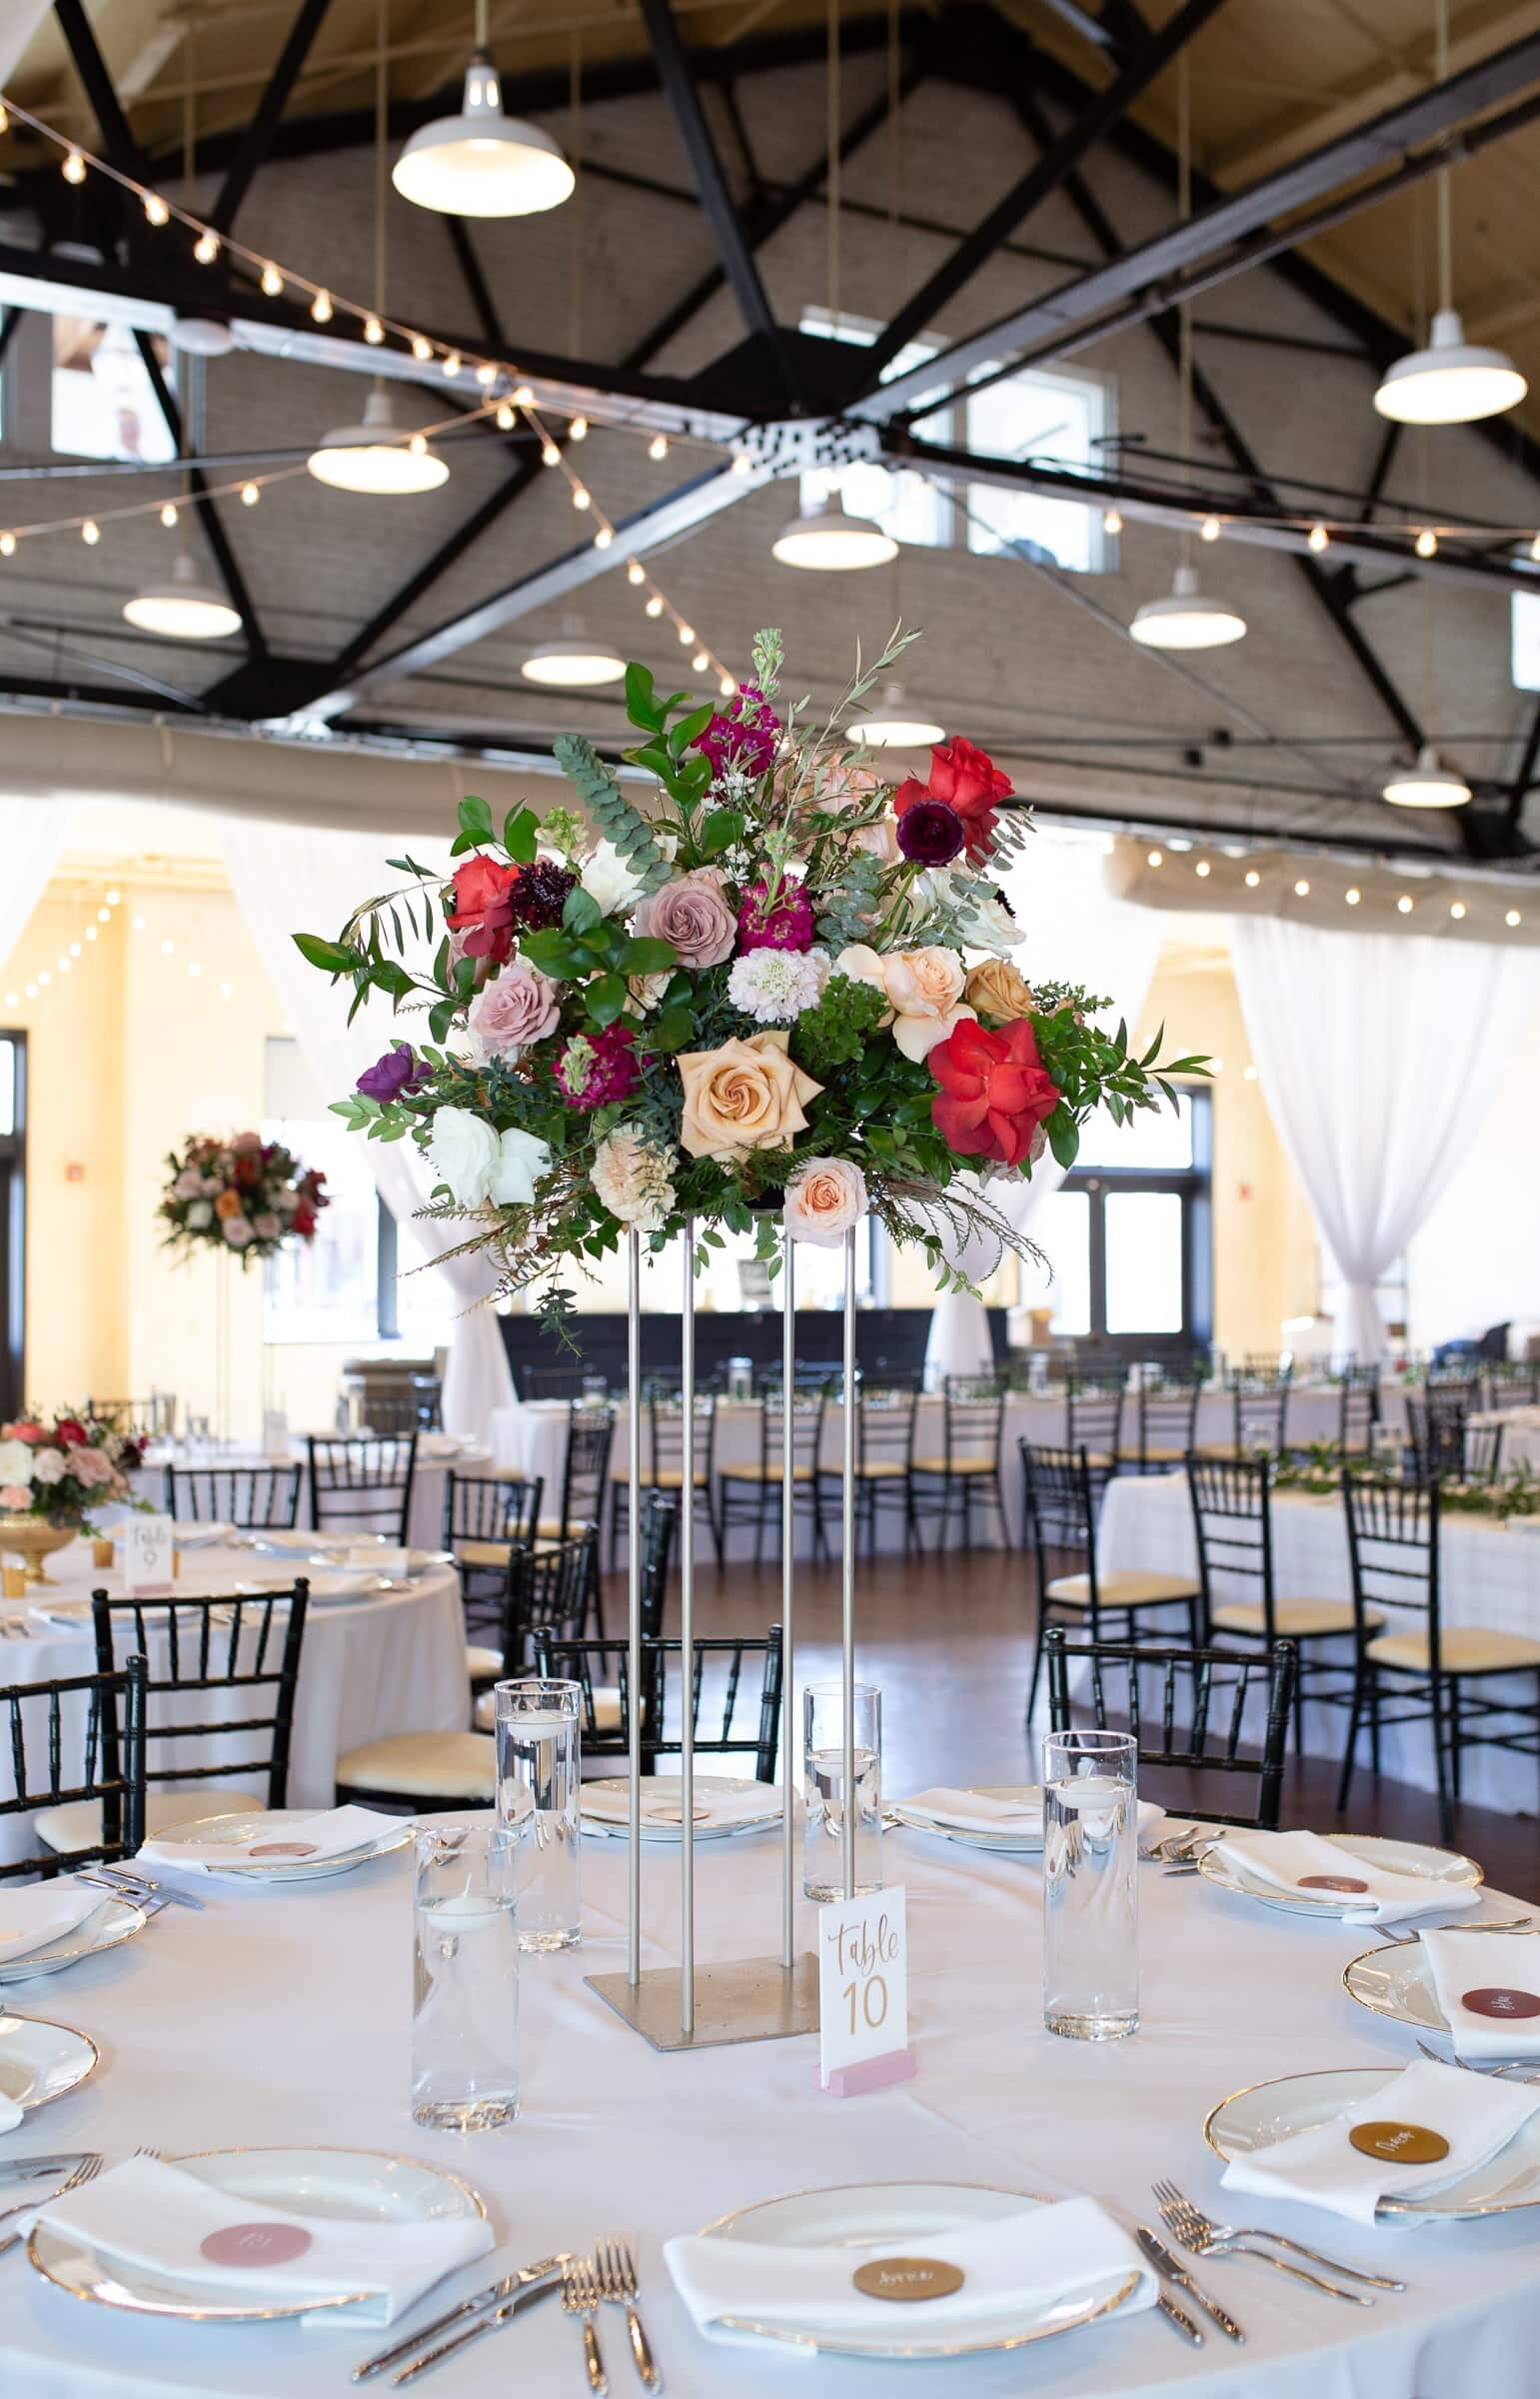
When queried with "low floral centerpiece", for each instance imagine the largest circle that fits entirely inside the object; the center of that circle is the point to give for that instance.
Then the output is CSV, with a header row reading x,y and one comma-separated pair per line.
x,y
53,1474
244,1197
753,987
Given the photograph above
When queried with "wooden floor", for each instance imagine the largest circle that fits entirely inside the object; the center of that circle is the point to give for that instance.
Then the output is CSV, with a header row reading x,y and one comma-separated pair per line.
x,y
949,1641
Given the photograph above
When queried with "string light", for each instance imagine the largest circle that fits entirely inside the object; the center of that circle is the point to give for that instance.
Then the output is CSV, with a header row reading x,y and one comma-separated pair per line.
x,y
1202,869
1210,529
654,605
155,209
580,498
1252,879
1317,537
206,249
1534,549
169,514
1405,903
699,662
522,397
422,348
635,572
1427,543
658,446
251,492
1302,890
1513,916
1352,895
687,636
272,281
418,444
374,331
74,168
320,307
549,455
1457,909
7,545
452,364
1155,858
1111,522
90,533
578,430
604,537
741,462
727,687
505,418
486,374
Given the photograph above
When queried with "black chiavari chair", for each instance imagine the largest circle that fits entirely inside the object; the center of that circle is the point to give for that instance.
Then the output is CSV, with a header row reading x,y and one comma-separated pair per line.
x,y
718,1688
751,1488
484,1516
546,1584
358,1485
75,1747
1446,1445
1358,1410
1512,1386
887,1423
392,1415
149,1420
1260,1399
257,1499
1061,1525
1429,1672
551,1383
966,1473
1204,1696
1166,1417
665,1439
1094,1421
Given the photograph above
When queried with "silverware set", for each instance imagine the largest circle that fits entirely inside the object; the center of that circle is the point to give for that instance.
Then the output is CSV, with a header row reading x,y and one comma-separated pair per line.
x,y
126,1882
1200,2236
1501,2069
606,2277
76,2167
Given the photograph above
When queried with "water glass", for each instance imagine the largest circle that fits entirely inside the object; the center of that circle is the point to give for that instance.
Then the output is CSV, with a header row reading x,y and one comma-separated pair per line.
x,y
465,1999
1090,1906
823,1784
540,1761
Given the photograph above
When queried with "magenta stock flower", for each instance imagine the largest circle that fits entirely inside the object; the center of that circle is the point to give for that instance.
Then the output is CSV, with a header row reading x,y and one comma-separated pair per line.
x,y
746,737
785,925
931,833
595,1068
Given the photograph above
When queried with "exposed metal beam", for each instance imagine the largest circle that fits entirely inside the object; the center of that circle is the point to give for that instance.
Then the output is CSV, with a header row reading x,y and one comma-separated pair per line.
x,y
208,511
1044,176
734,246
257,141
1519,787
464,245
122,150
1429,117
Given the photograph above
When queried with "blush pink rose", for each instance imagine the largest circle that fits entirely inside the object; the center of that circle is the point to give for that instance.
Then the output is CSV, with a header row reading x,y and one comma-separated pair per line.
x,y
691,914
519,1006
15,1497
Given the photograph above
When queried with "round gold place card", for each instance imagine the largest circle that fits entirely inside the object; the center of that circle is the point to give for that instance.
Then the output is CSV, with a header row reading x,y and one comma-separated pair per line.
x,y
1331,1882
1402,2144
908,2278
1497,2000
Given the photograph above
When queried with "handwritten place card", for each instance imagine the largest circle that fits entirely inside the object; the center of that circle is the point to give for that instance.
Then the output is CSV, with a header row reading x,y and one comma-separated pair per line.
x,y
864,1994
148,1557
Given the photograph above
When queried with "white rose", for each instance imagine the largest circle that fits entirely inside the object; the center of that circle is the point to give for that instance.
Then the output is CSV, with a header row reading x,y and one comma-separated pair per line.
x,y
49,1466
609,880
522,1159
200,1215
464,1152
15,1461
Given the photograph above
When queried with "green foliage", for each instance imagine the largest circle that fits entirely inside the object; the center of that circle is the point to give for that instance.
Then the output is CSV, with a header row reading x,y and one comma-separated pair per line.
x,y
612,812
839,1029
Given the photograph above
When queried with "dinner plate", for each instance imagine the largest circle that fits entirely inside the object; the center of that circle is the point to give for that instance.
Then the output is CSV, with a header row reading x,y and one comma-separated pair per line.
x,y
901,2218
1269,2111
216,1830
198,1534
1391,1857
1020,1840
326,1584
41,2061
1398,1981
355,2185
662,1811
114,1921
281,1538
74,1615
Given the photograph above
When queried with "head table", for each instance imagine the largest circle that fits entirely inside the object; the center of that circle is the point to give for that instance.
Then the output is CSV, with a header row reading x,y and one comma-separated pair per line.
x,y
281,2016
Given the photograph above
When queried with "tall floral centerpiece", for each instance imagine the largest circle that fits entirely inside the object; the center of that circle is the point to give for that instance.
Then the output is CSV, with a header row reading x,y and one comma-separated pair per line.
x,y
760,990
53,1472
244,1197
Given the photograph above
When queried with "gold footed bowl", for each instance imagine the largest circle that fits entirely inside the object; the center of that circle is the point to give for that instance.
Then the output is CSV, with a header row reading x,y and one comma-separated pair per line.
x,y
32,1538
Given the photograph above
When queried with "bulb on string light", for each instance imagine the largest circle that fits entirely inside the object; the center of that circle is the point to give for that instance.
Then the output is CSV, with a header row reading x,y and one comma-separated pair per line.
x,y
1157,857
727,687
374,331
658,446
206,248
1405,903
506,419
1210,529
654,605
320,307
1111,522
522,397
1457,909
155,209
7,545
1427,543
251,492
1352,895
581,497
418,444
422,348
635,572
687,636
74,168
578,430
169,514
604,537
549,455
1317,537
452,364
486,374
5,127
741,462
272,281
700,663
1534,549
1513,916
90,533
1252,879
1202,869
1302,890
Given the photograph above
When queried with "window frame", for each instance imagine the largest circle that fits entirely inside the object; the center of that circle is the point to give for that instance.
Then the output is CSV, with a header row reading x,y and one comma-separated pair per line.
x,y
1193,1186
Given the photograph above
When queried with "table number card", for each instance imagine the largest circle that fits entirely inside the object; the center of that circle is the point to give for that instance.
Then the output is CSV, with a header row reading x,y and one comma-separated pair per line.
x,y
148,1557
864,1994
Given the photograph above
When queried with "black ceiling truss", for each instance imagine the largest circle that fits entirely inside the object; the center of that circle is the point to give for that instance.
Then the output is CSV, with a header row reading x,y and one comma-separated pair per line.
x,y
256,143
208,510
1524,776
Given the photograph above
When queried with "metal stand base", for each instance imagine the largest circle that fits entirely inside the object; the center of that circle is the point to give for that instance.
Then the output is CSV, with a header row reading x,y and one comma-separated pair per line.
x,y
741,2000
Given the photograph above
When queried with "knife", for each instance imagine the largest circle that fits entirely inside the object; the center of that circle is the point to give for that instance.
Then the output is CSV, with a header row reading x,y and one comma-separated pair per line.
x,y
493,2323
1178,2319
34,2169
506,2287
1174,2271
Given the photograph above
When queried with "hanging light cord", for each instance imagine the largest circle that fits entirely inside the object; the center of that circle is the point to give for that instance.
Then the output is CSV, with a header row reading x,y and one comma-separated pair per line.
x,y
834,166
382,129
1443,185
575,211
1184,307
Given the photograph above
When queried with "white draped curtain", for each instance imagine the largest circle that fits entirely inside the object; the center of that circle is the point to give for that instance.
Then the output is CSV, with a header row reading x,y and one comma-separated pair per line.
x,y
300,879
32,834
1073,930
1379,1054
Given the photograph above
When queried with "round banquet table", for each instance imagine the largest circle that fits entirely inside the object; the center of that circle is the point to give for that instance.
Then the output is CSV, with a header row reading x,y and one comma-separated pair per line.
x,y
436,1452
390,1663
281,2016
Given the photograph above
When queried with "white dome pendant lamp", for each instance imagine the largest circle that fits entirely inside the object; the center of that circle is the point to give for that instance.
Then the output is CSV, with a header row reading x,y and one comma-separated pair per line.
x,y
1452,381
481,163
1429,784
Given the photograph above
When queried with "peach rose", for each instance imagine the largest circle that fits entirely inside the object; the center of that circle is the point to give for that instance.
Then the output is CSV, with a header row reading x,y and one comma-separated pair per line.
x,y
228,1204
925,987
823,1200
995,988
744,1096
860,963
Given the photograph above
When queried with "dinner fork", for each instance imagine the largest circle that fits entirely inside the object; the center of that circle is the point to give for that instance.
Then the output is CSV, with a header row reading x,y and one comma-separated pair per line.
x,y
618,2283
1205,2238
579,2298
134,1885
85,2171
1508,2065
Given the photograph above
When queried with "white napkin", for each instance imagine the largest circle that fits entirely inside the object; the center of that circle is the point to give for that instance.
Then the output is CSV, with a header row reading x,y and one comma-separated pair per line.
x,y
41,1911
662,1807
973,1812
1476,2116
332,1835
156,2218
1285,1859
1041,2254
1496,1966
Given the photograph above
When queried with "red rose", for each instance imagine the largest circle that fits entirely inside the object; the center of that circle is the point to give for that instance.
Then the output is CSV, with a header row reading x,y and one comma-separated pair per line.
x,y
70,1433
304,1222
248,1169
483,912
966,780
995,1091
23,1431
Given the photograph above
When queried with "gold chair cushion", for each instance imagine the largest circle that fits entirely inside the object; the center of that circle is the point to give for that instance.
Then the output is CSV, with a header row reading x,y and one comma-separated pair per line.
x,y
79,1826
1132,1457
661,1478
1294,1617
481,1662
956,1465
1127,1589
483,1553
446,1765
1465,1648
754,1471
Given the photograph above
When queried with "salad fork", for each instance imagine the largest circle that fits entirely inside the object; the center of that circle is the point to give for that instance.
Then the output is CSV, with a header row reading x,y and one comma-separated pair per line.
x,y
85,2171
618,2283
1506,2066
1205,2238
579,2298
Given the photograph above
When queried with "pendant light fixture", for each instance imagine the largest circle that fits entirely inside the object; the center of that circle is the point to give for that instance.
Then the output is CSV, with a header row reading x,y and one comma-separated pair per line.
x,y
828,542
1426,784
1187,618
896,725
1452,381
481,163
375,455
573,661
183,608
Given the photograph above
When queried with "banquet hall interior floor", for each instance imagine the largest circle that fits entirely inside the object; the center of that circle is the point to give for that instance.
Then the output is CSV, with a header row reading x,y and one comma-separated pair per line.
x,y
949,1641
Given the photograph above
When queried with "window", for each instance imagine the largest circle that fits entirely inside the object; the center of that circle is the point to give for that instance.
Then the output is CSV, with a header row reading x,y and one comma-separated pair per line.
x,y
104,405
13,1222
1526,642
1035,414
1129,1235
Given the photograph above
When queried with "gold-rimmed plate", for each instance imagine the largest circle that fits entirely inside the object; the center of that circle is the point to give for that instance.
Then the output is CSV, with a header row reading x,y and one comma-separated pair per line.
x,y
1024,1839
1413,1858
1268,2112
898,2218
40,2061
216,1831
114,1921
726,1806
353,2185
1397,1982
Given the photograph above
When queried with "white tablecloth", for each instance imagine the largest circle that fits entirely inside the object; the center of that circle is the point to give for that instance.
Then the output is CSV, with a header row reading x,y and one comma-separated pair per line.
x,y
391,1664
1521,1437
1490,1577
282,2017
530,1437
425,1529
